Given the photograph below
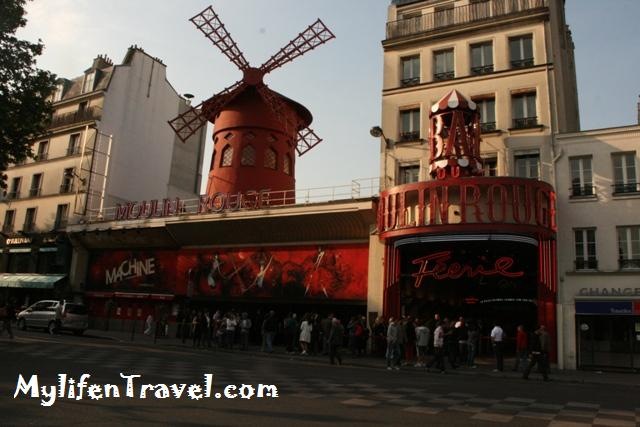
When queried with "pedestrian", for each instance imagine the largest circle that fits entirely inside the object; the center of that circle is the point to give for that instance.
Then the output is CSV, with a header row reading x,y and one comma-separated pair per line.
x,y
463,337
305,334
362,349
230,333
326,324
438,348
410,343
522,345
402,340
393,345
336,336
540,345
473,334
497,340
196,330
7,314
245,329
422,343
290,329
379,337
148,324
58,316
450,342
352,329
269,327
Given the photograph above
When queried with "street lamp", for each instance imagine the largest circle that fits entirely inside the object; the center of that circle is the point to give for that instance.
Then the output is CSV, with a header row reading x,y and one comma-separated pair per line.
x,y
377,132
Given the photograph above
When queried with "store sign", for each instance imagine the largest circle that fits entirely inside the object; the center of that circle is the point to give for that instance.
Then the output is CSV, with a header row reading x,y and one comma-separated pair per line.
x,y
618,308
129,269
609,292
440,266
18,241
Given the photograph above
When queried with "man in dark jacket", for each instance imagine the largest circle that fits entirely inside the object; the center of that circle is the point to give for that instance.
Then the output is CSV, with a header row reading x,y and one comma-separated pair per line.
x,y
539,354
336,337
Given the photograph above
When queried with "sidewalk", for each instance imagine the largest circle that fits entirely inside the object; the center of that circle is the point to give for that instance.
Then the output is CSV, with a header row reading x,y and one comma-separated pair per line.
x,y
484,366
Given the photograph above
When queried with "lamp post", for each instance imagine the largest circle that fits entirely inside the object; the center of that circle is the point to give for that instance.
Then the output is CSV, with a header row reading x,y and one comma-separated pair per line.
x,y
377,132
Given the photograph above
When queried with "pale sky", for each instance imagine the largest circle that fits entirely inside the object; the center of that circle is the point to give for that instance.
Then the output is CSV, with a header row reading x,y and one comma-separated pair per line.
x,y
339,82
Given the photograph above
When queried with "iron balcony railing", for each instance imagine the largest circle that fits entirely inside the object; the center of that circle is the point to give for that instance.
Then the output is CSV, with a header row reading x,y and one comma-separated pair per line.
x,y
522,63
487,127
85,115
626,187
34,192
586,264
12,195
447,75
629,263
410,136
410,81
41,157
582,190
482,69
66,188
72,151
525,122
461,15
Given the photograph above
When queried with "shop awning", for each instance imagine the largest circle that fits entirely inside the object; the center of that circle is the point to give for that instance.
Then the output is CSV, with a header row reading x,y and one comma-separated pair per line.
x,y
30,281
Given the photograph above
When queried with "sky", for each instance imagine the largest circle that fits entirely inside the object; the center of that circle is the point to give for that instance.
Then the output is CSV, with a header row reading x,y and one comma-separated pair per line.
x,y
340,82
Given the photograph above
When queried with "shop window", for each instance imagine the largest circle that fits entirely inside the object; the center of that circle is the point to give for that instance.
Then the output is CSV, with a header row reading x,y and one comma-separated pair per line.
x,y
410,125
521,51
410,70
585,246
482,58
524,111
629,247
408,174
581,176
443,65
624,173
248,156
270,158
527,165
227,156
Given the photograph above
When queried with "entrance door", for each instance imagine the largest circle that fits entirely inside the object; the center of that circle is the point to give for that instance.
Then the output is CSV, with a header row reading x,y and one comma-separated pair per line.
x,y
608,341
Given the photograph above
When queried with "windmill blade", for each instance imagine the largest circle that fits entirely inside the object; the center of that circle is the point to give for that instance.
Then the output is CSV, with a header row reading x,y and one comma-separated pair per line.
x,y
307,139
188,123
281,110
212,27
315,35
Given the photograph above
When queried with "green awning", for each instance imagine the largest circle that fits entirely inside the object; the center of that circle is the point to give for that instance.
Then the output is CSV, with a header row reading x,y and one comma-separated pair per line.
x,y
30,281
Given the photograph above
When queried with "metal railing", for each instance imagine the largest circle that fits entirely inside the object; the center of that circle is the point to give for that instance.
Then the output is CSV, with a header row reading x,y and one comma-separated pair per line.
x,y
66,188
447,75
72,151
482,69
410,136
525,122
41,157
630,263
410,81
85,115
522,63
487,127
7,228
12,195
582,190
359,188
626,187
461,15
28,226
586,264
34,192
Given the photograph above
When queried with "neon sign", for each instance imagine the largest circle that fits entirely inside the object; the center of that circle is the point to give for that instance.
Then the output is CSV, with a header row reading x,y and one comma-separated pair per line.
x,y
439,266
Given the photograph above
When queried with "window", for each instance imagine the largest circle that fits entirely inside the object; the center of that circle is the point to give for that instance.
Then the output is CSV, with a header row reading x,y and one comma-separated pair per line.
x,y
624,173
408,174
36,182
15,188
82,108
443,15
286,167
410,125
9,218
227,156
443,65
521,51
67,181
585,244
487,109
89,81
270,158
43,151
629,247
482,58
527,165
248,156
29,220
490,166
410,71
524,111
62,215
581,176
74,144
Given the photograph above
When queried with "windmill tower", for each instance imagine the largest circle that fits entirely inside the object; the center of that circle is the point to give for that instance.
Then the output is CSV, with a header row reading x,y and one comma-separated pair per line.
x,y
257,131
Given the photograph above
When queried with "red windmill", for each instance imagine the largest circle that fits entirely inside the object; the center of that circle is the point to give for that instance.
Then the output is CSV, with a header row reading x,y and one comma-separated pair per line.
x,y
256,130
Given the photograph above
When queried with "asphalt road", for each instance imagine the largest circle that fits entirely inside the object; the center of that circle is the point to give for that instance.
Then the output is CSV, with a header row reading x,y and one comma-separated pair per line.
x,y
309,393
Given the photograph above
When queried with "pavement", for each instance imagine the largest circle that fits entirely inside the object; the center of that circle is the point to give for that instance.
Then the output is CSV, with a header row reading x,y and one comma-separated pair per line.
x,y
484,366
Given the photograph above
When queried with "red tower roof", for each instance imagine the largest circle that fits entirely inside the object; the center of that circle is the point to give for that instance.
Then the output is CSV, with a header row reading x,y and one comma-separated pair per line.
x,y
453,99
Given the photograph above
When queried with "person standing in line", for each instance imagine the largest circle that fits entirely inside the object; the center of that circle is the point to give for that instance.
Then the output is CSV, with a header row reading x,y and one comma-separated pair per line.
x,y
522,345
245,329
393,346
269,327
497,339
463,340
231,325
540,346
422,343
305,334
326,324
290,328
438,349
473,334
336,336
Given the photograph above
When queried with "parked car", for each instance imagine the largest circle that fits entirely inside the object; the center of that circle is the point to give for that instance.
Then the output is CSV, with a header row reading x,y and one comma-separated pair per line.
x,y
42,314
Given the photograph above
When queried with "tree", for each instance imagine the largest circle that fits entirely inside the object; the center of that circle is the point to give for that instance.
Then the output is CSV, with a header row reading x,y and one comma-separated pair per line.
x,y
24,109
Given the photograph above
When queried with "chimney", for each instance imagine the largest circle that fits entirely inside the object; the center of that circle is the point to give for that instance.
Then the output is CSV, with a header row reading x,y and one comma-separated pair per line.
x,y
100,62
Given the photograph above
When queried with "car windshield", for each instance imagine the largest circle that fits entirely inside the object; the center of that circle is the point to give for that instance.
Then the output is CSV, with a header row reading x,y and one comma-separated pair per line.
x,y
75,309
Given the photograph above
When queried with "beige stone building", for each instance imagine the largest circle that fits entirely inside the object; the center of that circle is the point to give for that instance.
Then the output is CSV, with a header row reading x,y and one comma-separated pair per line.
x,y
108,142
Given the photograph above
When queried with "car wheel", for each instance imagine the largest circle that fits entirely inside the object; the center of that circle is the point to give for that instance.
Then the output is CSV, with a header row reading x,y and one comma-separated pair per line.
x,y
22,324
78,332
51,328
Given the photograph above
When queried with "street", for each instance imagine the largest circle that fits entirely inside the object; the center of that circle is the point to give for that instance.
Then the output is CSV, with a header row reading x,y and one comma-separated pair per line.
x,y
310,392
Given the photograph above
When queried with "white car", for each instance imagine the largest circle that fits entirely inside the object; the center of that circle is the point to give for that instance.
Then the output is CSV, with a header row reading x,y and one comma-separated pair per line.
x,y
42,314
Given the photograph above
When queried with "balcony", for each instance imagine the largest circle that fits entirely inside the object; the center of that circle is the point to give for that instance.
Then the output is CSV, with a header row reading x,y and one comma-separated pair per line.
x,y
626,188
13,195
629,264
525,123
66,188
586,190
72,151
447,75
522,63
482,69
410,81
41,157
86,115
487,127
34,192
457,16
586,264
410,136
